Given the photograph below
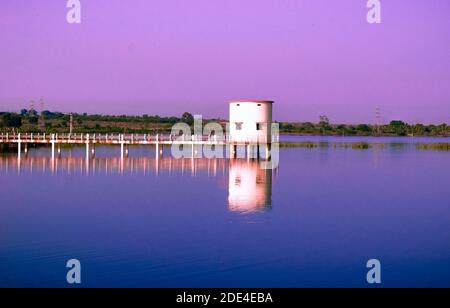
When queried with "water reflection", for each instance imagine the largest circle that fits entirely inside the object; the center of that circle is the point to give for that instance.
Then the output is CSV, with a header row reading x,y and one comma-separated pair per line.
x,y
249,186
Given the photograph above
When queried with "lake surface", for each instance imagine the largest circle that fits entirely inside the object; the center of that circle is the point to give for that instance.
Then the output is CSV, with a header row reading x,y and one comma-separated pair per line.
x,y
146,222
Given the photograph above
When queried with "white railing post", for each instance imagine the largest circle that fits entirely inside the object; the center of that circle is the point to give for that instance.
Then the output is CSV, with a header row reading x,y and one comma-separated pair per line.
x,y
19,146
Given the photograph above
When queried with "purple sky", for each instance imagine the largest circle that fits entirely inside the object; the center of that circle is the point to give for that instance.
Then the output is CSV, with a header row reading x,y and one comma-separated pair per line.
x,y
164,57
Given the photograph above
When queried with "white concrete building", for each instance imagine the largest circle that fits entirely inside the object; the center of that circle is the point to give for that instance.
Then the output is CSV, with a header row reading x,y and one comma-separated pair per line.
x,y
250,121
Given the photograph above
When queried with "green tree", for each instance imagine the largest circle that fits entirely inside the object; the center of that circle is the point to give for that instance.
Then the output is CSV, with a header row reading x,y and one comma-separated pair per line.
x,y
419,129
324,123
187,118
33,120
363,128
398,127
12,120
443,129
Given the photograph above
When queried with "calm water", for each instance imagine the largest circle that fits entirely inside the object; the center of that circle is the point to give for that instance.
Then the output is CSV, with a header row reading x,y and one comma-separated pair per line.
x,y
313,222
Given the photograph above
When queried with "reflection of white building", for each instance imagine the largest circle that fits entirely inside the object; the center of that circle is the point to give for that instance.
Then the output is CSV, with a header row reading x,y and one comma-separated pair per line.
x,y
250,121
249,187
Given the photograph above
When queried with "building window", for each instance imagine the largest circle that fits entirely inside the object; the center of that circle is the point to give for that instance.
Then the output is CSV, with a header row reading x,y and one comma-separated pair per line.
x,y
258,126
238,104
238,126
259,104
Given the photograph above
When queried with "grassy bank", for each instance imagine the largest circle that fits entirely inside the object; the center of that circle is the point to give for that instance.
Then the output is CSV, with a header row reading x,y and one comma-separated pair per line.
x,y
313,145
365,145
433,146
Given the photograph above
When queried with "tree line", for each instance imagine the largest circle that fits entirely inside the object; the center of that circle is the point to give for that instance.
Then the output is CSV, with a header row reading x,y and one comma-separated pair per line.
x,y
394,128
47,122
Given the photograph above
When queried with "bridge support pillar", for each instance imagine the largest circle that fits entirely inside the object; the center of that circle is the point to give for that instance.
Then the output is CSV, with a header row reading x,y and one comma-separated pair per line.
x,y
157,146
121,146
19,147
87,146
53,146
268,151
233,151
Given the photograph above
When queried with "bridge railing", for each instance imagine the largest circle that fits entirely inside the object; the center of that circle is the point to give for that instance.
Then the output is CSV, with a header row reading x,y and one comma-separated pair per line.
x,y
131,138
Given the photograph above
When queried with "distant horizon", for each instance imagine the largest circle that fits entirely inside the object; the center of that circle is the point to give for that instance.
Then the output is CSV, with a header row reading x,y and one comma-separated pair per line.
x,y
312,57
387,122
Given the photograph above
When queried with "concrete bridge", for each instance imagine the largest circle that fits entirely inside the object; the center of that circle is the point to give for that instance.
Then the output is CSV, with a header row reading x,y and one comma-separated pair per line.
x,y
22,141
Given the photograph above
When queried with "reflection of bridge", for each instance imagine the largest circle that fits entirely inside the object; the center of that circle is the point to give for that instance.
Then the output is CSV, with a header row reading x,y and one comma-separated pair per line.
x,y
249,186
138,165
251,143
